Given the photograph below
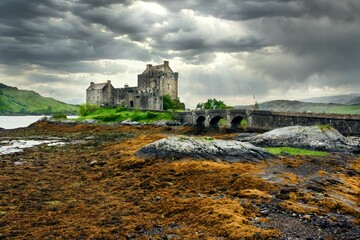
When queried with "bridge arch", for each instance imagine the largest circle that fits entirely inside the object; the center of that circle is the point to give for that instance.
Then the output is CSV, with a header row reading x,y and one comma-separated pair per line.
x,y
214,122
236,122
200,121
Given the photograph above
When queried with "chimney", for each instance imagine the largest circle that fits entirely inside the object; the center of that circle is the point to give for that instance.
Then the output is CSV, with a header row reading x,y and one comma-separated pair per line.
x,y
166,65
126,85
92,84
108,82
148,66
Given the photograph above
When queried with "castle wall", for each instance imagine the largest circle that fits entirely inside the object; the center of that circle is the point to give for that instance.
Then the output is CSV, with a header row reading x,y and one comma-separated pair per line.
x,y
101,97
169,87
153,84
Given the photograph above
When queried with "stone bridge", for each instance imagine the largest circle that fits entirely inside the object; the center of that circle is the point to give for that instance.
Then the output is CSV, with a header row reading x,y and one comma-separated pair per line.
x,y
267,120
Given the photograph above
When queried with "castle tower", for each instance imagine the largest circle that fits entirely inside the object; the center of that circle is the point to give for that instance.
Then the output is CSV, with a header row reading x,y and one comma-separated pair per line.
x,y
169,81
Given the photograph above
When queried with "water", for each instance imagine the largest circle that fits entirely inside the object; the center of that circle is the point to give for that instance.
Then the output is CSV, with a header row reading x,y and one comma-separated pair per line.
x,y
12,122
12,146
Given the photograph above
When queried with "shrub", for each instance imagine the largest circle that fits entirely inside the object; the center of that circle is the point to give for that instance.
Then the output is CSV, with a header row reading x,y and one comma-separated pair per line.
x,y
121,108
86,109
59,116
169,103
107,118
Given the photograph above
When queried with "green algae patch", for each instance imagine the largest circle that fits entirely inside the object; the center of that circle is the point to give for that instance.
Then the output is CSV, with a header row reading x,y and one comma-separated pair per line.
x,y
295,151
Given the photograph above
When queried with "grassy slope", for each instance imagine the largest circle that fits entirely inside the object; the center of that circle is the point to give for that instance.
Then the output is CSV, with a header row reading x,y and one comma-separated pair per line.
x,y
14,101
119,114
296,106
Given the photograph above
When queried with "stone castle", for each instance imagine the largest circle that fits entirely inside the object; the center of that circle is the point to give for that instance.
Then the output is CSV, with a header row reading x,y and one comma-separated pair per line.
x,y
153,84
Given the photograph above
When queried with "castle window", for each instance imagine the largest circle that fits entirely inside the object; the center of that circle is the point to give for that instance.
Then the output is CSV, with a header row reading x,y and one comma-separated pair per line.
x,y
168,86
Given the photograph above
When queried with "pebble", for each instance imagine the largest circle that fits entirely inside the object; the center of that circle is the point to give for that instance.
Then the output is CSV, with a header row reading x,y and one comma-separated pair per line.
x,y
93,163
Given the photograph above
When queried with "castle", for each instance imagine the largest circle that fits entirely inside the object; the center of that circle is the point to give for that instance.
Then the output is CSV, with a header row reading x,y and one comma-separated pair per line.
x,y
153,84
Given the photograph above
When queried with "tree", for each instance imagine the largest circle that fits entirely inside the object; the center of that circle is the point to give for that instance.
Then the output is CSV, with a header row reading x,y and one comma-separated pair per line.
x,y
175,104
200,106
212,104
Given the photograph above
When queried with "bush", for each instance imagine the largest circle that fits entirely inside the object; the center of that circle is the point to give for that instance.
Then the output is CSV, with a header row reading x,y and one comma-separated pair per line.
x,y
86,109
169,103
107,118
121,108
151,115
59,116
212,104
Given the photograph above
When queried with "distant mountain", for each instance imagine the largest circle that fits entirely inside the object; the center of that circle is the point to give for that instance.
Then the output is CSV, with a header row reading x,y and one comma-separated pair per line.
x,y
14,101
298,106
341,99
354,101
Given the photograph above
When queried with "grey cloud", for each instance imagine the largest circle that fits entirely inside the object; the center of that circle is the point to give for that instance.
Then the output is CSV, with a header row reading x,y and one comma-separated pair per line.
x,y
316,42
314,47
238,10
223,82
246,10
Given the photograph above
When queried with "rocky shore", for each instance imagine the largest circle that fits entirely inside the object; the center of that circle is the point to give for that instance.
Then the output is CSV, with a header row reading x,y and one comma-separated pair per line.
x,y
323,138
160,182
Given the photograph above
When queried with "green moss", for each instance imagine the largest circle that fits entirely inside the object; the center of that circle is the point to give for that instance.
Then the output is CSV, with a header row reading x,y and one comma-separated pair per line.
x,y
295,151
208,138
326,127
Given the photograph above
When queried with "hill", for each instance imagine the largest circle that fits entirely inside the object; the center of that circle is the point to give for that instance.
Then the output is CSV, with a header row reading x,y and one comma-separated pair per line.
x,y
298,106
340,99
14,101
354,101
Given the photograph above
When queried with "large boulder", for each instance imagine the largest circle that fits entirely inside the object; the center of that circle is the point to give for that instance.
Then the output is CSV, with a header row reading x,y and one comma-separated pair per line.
x,y
322,138
174,148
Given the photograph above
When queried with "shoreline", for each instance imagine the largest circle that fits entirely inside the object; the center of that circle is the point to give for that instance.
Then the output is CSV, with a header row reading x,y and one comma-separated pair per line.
x,y
99,188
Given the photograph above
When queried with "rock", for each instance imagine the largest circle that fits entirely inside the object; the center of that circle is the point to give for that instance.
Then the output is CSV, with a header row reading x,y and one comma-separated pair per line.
x,y
308,137
93,163
129,122
90,121
97,163
245,135
167,123
174,148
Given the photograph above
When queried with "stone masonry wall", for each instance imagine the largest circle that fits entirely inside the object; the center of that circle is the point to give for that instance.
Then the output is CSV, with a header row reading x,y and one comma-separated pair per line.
x,y
267,120
346,124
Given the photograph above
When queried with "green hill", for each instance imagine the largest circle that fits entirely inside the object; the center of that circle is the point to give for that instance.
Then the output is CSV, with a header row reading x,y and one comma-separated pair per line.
x,y
297,106
14,101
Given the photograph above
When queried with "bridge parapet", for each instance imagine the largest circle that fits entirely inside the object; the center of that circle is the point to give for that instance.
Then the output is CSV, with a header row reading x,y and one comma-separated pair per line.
x,y
347,124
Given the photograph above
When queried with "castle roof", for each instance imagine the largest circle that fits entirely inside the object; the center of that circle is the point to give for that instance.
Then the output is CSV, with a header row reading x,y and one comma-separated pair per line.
x,y
97,86
162,67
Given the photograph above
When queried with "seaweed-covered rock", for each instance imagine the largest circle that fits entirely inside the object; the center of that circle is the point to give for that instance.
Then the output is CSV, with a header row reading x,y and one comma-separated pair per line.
x,y
323,138
173,148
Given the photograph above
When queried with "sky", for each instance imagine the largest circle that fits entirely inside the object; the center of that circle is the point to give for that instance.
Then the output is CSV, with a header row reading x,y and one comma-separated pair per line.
x,y
236,51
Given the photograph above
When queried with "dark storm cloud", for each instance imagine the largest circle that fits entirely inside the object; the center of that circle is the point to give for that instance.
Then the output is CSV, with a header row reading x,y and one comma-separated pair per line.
x,y
102,3
284,43
254,9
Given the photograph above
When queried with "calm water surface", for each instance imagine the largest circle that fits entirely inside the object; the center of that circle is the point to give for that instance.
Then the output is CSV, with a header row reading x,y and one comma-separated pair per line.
x,y
11,122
